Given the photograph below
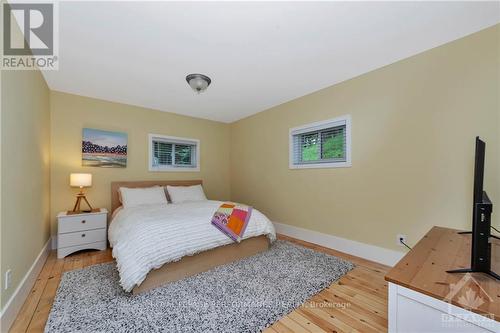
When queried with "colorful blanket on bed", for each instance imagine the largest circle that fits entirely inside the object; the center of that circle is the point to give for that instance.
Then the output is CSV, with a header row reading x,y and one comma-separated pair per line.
x,y
232,219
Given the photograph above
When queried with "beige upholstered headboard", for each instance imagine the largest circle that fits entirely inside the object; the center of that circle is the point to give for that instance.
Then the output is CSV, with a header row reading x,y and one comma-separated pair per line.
x,y
115,186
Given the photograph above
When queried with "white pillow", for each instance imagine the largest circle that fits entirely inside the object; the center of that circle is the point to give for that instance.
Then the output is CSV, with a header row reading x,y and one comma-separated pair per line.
x,y
132,197
179,194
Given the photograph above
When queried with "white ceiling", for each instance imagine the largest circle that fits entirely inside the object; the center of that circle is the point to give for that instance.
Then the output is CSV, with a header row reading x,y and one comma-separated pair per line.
x,y
258,54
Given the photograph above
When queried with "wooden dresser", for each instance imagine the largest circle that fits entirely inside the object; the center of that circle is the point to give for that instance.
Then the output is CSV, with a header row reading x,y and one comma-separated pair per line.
x,y
424,298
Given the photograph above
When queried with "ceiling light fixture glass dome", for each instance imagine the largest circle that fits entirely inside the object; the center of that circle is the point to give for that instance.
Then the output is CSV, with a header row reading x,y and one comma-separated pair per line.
x,y
198,82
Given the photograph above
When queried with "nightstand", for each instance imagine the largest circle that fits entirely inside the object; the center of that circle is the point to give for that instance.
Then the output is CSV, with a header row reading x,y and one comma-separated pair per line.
x,y
81,231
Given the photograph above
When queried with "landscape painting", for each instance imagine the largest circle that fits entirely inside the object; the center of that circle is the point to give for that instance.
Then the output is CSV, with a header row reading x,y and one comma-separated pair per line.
x,y
104,148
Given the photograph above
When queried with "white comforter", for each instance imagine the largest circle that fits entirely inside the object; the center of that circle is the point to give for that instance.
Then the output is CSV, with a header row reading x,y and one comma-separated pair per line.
x,y
146,237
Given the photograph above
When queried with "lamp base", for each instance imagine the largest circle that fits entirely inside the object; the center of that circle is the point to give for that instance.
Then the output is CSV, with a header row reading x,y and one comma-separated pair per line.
x,y
76,209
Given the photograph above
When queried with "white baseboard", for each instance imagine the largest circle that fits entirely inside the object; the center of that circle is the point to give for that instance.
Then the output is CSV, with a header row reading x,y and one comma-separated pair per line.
x,y
16,301
366,251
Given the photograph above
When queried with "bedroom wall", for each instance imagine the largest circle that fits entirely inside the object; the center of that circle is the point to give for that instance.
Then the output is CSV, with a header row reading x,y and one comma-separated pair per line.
x,y
71,113
413,129
25,176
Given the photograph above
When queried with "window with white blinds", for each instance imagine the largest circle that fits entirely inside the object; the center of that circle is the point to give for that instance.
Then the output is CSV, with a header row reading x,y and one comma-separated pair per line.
x,y
325,144
168,153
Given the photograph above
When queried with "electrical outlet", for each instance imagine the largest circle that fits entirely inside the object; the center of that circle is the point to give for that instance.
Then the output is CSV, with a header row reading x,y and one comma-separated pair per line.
x,y
8,279
400,237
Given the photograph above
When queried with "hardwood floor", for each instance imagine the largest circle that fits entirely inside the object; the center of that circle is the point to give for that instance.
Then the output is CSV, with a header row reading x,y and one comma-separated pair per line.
x,y
355,303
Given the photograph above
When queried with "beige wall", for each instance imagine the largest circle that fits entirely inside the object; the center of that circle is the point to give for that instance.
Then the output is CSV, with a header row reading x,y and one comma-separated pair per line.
x,y
413,129
71,113
25,141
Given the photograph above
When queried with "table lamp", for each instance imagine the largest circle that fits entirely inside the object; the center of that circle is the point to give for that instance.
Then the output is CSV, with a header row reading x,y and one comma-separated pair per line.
x,y
80,180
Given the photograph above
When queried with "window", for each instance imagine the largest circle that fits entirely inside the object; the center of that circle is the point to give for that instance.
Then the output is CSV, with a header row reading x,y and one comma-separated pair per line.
x,y
325,144
168,153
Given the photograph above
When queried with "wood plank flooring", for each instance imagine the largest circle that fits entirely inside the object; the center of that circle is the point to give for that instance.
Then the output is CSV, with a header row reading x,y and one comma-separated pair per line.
x,y
355,303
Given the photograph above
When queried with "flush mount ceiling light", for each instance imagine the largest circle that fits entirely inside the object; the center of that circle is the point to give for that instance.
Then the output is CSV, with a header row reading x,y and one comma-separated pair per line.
x,y
198,82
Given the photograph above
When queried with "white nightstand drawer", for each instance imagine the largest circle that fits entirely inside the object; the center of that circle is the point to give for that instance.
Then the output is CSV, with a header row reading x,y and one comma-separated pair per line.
x,y
81,237
81,222
64,251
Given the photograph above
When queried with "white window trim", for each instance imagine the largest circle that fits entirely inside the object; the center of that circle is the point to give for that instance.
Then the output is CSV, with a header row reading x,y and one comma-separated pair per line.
x,y
173,139
316,126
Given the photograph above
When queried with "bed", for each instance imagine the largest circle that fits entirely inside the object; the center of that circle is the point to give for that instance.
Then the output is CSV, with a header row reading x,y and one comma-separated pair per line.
x,y
157,244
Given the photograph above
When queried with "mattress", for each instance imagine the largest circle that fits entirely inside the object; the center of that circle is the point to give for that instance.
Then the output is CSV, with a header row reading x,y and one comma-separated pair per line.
x,y
146,237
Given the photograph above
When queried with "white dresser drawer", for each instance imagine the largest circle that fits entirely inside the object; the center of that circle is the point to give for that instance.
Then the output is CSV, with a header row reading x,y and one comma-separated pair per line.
x,y
412,311
81,237
81,222
64,251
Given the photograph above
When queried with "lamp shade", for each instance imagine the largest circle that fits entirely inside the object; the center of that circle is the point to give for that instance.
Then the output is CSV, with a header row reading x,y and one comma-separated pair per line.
x,y
80,179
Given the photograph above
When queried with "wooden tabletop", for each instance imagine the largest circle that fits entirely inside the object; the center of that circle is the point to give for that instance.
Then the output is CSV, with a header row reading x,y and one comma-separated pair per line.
x,y
423,269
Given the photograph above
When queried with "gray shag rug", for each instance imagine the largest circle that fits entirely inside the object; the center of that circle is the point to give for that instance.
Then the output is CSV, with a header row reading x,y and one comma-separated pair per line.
x,y
245,296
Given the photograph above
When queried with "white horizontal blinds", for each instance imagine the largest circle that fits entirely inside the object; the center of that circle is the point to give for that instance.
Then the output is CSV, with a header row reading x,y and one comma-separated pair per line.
x,y
162,152
322,145
308,148
173,154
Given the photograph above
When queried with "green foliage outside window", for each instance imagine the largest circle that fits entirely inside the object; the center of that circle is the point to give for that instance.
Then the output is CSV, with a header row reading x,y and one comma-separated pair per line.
x,y
183,154
332,146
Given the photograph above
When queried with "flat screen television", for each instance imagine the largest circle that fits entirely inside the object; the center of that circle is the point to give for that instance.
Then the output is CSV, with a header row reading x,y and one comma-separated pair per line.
x,y
478,175
481,220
